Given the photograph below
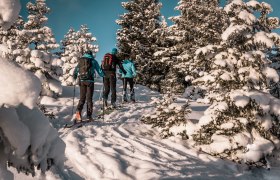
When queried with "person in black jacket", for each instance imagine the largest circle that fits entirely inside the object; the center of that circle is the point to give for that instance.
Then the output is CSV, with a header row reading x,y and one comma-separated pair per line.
x,y
109,65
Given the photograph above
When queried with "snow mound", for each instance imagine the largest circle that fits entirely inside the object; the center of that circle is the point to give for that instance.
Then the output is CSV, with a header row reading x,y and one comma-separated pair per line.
x,y
18,86
9,10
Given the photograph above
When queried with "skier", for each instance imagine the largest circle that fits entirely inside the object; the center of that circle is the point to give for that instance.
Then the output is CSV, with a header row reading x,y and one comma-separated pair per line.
x,y
85,70
129,67
109,65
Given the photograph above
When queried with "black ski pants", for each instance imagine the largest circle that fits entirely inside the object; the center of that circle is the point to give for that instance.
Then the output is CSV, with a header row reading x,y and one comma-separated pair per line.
x,y
110,83
129,81
86,93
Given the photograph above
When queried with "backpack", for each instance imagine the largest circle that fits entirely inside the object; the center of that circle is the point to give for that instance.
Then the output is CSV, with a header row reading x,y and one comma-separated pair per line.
x,y
85,65
107,63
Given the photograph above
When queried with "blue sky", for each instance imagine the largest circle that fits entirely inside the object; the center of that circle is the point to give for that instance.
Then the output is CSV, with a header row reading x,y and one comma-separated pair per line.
x,y
100,16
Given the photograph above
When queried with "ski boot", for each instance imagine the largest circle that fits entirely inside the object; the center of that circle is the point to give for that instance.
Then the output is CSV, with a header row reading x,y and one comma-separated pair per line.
x,y
124,97
113,105
132,97
89,119
78,117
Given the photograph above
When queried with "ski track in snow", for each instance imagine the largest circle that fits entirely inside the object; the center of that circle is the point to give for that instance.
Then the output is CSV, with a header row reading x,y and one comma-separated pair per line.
x,y
121,147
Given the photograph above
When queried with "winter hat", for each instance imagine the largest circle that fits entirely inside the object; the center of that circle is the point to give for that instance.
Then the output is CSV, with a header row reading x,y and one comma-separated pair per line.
x,y
114,51
89,52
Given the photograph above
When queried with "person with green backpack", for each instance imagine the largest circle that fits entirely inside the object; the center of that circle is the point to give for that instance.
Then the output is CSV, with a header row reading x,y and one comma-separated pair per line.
x,y
85,71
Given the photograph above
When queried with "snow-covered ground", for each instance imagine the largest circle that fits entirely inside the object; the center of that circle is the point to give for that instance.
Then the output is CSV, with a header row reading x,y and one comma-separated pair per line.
x,y
121,147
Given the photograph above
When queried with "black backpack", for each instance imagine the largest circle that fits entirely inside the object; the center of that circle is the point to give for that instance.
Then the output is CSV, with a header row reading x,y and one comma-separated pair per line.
x,y
85,65
108,62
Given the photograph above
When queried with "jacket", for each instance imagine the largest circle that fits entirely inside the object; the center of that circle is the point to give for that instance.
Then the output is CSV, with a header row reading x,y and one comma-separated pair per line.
x,y
129,67
95,67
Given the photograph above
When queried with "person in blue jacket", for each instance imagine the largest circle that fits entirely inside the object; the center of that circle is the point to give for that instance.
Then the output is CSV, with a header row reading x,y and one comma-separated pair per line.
x,y
85,71
128,78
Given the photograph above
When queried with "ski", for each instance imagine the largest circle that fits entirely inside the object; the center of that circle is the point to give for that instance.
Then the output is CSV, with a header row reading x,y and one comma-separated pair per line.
x,y
77,125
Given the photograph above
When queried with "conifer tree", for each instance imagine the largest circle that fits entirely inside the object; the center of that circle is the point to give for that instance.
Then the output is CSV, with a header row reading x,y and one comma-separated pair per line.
x,y
69,56
38,57
199,24
86,41
42,37
74,45
28,141
242,123
136,36
13,39
156,69
169,116
274,56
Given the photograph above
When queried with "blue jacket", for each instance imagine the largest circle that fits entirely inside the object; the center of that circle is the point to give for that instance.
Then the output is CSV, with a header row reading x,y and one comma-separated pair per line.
x,y
95,67
129,67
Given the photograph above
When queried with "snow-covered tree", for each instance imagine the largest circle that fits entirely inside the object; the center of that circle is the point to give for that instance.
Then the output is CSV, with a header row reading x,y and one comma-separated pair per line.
x,y
274,56
169,116
85,41
74,45
136,36
27,141
14,40
153,73
199,24
42,37
242,124
69,56
37,57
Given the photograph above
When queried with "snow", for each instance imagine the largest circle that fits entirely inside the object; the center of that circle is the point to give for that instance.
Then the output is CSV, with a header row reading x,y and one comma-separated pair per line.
x,y
55,86
15,130
205,49
124,148
27,138
247,17
233,29
271,74
17,81
226,76
259,148
229,6
9,10
121,147
206,78
253,3
239,99
267,7
267,102
263,38
242,138
23,124
220,143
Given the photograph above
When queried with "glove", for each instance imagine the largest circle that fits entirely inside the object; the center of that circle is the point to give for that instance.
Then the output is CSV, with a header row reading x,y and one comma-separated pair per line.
x,y
77,81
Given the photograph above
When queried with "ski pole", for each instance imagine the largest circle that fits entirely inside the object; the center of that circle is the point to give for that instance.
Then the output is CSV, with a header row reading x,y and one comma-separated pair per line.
x,y
74,99
124,81
134,90
103,103
101,92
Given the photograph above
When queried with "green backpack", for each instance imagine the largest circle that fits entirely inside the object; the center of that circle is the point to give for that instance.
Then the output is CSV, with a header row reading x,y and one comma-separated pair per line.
x,y
85,65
